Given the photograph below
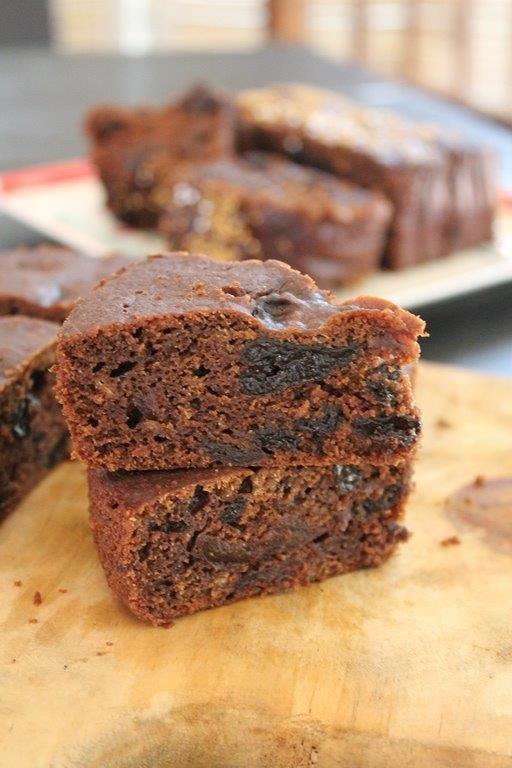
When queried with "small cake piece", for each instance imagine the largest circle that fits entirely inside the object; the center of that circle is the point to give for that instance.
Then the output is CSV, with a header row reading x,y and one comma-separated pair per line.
x,y
443,191
134,149
179,361
46,281
266,207
33,436
173,543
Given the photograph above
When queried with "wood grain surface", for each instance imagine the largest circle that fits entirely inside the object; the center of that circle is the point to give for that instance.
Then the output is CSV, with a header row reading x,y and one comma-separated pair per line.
x,y
409,666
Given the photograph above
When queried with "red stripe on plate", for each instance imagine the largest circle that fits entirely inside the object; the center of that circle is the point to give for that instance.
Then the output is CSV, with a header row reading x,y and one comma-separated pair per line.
x,y
45,174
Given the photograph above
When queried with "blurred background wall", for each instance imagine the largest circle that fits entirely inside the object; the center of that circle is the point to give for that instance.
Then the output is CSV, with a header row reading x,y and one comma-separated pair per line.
x,y
461,48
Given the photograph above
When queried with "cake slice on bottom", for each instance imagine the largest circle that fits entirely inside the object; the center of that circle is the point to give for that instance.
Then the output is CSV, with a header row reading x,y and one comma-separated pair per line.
x,y
176,542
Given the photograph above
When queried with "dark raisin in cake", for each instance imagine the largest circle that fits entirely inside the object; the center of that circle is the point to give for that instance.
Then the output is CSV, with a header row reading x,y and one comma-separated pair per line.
x,y
179,361
173,543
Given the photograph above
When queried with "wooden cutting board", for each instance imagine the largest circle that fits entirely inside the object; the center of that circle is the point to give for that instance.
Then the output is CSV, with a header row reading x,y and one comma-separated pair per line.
x,y
409,666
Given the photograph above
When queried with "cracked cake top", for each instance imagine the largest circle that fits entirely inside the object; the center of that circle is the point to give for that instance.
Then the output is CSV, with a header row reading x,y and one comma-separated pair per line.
x,y
270,294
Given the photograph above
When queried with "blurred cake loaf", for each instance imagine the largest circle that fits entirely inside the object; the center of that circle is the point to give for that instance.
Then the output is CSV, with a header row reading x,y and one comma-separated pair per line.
x,y
47,280
276,429
173,543
442,188
134,150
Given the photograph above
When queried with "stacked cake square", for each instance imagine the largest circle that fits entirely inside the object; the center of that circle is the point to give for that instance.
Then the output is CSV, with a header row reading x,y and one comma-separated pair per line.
x,y
244,433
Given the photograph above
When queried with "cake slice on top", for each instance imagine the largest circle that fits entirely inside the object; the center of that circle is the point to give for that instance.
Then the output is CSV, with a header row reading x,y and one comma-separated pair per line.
x,y
173,543
178,361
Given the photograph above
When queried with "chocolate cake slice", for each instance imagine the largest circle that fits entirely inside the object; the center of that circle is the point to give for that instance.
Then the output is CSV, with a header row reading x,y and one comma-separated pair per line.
x,y
179,361
173,543
443,189
135,149
265,207
33,435
45,281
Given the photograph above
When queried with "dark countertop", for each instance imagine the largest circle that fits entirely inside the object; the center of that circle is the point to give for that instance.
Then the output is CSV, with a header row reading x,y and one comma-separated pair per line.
x,y
43,96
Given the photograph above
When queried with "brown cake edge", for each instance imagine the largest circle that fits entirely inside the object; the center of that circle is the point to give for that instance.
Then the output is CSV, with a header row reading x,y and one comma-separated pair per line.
x,y
371,536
